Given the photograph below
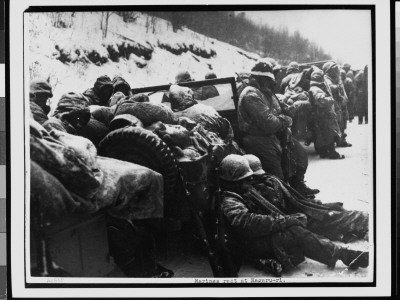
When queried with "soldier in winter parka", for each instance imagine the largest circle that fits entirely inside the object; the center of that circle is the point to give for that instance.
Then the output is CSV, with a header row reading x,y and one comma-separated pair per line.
x,y
361,95
330,220
326,127
337,92
101,92
263,123
291,71
349,88
262,231
121,85
71,115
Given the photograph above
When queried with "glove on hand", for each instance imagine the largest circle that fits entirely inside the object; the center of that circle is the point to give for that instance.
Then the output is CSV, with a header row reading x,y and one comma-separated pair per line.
x,y
291,221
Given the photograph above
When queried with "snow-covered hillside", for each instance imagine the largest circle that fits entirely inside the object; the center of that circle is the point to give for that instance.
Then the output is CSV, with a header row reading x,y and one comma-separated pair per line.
x,y
74,54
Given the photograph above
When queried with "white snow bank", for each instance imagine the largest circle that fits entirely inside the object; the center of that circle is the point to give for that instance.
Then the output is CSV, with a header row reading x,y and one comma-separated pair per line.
x,y
140,52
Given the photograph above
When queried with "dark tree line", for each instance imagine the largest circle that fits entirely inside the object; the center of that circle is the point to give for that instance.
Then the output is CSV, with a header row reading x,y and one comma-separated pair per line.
x,y
238,30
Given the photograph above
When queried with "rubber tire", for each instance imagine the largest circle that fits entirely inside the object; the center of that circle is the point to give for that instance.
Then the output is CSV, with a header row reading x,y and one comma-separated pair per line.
x,y
142,147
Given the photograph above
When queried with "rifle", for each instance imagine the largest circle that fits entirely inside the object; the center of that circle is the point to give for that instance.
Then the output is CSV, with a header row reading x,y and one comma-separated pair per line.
x,y
212,258
241,79
286,139
264,203
224,254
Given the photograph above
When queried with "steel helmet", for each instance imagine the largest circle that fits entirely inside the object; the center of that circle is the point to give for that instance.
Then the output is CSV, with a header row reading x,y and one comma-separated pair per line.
x,y
234,168
317,75
255,164
329,66
346,67
293,67
210,75
263,67
183,76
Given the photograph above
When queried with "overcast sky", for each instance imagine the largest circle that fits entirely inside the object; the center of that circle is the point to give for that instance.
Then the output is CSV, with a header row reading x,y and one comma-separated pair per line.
x,y
344,34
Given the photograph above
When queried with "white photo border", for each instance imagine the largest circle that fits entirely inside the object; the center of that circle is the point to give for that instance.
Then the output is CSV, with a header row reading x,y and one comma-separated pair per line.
x,y
19,138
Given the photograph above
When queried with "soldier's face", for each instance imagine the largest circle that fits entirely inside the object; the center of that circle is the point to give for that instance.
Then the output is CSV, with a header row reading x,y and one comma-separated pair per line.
x,y
266,83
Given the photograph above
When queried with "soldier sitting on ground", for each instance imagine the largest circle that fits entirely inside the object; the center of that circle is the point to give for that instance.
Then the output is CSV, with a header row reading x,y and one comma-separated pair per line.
x,y
265,232
328,219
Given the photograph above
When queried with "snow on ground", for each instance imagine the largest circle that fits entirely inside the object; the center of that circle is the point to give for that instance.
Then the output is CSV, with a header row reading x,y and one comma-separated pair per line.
x,y
85,36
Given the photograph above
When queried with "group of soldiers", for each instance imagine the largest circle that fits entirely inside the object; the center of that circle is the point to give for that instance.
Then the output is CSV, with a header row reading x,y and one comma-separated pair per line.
x,y
266,204
331,85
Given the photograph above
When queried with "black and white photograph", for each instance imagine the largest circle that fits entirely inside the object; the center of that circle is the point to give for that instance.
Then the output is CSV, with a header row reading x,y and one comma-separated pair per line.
x,y
200,146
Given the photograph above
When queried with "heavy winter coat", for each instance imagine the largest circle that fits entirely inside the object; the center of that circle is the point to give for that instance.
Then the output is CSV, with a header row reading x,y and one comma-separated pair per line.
x,y
70,103
329,219
127,190
285,82
121,85
146,112
260,120
326,127
208,91
297,93
209,118
265,234
101,92
38,113
336,91
361,93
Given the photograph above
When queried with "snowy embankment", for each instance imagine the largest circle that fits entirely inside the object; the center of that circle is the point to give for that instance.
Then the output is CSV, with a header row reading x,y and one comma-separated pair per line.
x,y
73,54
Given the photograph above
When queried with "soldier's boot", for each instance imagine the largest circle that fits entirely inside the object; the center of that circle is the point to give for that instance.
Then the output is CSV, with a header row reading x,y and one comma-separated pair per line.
x,y
270,266
332,154
343,142
354,259
298,183
323,152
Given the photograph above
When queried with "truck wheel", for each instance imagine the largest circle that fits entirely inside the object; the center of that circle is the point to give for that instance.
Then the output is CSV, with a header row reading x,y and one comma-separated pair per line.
x,y
142,147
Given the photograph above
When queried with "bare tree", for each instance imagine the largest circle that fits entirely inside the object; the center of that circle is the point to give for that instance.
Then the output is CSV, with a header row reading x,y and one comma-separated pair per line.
x,y
105,16
151,21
